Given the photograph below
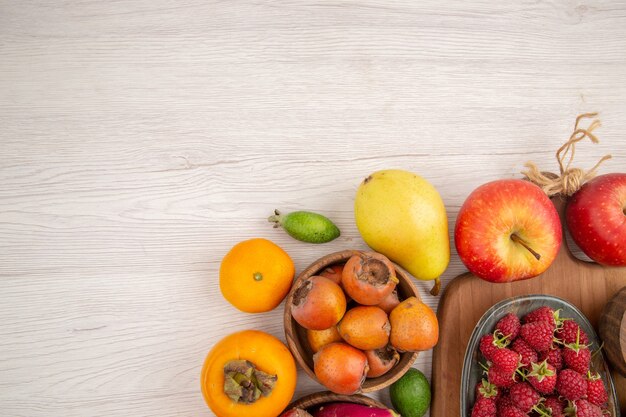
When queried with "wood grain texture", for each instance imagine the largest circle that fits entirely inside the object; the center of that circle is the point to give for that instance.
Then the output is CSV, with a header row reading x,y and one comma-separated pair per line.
x,y
612,330
588,286
142,139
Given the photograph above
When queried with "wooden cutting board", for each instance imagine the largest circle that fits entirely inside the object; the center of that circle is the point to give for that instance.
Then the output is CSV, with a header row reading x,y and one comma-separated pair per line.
x,y
586,285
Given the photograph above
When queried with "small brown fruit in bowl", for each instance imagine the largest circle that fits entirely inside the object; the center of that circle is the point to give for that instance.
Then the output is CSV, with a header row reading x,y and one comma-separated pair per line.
x,y
333,273
381,360
318,303
390,302
365,327
414,326
320,338
296,335
341,368
368,277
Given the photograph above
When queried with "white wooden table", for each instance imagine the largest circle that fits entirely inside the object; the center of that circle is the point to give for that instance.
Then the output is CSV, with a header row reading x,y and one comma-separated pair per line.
x,y
140,140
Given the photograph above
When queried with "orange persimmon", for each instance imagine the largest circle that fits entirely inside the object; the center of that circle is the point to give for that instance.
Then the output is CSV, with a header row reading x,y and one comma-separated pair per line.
x,y
320,338
368,278
255,275
414,326
256,361
333,273
340,367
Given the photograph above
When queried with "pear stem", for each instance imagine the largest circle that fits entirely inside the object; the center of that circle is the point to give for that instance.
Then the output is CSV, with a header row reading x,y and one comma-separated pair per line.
x,y
515,238
435,290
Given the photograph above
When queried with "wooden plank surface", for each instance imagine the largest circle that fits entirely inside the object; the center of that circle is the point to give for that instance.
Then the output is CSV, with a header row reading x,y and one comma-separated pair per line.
x,y
141,139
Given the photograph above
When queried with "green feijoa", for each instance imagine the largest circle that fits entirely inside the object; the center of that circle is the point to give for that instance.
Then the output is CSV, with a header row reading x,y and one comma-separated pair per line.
x,y
410,395
306,226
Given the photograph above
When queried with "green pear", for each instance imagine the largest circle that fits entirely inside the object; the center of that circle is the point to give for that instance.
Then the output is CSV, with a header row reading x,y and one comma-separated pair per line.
x,y
402,216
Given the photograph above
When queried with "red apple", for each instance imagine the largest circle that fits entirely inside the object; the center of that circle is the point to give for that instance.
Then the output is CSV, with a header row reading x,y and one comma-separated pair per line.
x,y
507,230
596,219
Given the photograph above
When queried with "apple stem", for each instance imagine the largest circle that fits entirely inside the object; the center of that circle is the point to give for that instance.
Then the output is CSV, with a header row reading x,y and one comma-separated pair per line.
x,y
515,238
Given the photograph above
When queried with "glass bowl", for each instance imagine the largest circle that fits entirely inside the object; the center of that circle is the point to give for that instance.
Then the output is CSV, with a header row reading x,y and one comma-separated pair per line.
x,y
522,305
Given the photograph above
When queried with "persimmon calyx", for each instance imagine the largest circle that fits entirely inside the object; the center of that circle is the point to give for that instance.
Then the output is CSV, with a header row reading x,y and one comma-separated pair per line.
x,y
244,383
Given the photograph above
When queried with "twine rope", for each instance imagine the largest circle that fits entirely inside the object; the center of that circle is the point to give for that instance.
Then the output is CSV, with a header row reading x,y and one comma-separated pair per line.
x,y
570,179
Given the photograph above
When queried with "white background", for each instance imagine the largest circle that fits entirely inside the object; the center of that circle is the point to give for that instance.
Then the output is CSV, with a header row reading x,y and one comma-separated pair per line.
x,y
140,140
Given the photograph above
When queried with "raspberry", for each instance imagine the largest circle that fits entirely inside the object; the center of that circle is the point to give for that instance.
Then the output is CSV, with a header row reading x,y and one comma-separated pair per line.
x,y
505,360
511,411
487,346
509,326
524,396
571,385
554,358
543,314
577,359
503,401
577,356
596,392
542,377
484,407
486,389
567,333
527,354
538,335
554,405
499,378
583,408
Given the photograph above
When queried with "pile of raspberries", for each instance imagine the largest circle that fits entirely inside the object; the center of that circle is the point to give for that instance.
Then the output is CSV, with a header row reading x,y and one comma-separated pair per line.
x,y
538,367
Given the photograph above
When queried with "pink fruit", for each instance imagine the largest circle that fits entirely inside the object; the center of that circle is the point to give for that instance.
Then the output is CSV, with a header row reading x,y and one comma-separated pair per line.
x,y
354,410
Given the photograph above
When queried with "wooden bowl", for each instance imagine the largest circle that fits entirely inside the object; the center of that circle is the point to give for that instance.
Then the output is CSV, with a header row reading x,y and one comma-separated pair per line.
x,y
325,397
612,330
296,334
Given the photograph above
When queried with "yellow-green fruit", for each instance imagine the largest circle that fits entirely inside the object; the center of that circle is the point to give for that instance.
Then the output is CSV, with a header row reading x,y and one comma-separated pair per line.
x,y
402,216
